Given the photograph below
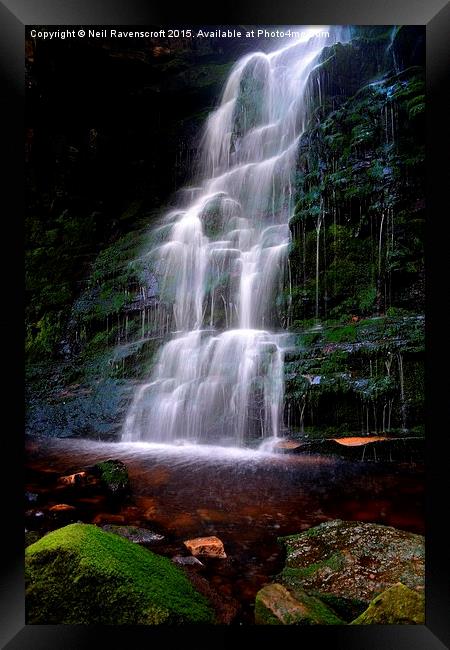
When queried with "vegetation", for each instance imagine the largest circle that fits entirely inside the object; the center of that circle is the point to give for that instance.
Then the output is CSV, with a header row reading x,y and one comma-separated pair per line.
x,y
81,575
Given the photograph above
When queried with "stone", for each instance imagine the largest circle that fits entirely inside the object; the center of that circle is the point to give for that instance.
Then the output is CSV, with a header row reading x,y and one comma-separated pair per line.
x,y
287,445
62,508
358,441
134,534
78,479
352,560
113,475
398,605
190,560
206,546
80,574
275,605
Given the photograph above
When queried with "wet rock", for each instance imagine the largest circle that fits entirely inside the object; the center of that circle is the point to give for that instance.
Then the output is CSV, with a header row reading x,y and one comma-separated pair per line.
x,y
80,574
398,605
190,560
113,475
206,546
287,446
134,534
62,508
275,605
353,560
78,479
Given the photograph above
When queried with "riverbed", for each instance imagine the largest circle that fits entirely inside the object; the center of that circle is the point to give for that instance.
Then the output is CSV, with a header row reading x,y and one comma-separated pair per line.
x,y
246,498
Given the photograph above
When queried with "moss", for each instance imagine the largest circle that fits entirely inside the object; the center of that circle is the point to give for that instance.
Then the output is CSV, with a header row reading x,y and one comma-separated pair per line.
x,y
398,605
114,475
293,576
80,574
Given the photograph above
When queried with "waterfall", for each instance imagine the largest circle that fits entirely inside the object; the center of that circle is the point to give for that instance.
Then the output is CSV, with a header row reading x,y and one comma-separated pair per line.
x,y
220,377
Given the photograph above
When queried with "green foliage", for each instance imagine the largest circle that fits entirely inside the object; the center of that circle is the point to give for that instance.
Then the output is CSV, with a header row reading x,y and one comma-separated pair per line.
x,y
341,334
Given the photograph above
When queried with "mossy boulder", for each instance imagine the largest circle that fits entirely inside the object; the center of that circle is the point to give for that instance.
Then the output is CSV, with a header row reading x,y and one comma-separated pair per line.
x,y
113,475
398,605
80,574
352,560
275,605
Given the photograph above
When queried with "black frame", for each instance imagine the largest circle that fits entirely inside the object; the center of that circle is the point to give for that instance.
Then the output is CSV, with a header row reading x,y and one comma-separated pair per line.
x,y
14,16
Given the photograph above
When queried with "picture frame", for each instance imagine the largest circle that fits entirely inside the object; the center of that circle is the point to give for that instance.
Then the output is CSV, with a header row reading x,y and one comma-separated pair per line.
x,y
15,15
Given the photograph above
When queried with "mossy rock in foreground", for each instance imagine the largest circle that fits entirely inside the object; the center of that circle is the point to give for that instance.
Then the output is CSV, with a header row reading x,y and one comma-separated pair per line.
x,y
80,574
398,605
275,605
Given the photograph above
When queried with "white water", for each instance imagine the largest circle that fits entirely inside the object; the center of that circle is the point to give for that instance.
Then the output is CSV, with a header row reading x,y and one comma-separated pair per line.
x,y
220,377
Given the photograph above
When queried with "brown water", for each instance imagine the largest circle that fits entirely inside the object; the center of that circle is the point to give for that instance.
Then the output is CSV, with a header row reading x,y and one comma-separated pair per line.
x,y
246,498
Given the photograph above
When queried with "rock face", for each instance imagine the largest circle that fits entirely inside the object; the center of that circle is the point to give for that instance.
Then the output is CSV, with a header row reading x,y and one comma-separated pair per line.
x,y
206,546
397,605
274,605
353,560
80,574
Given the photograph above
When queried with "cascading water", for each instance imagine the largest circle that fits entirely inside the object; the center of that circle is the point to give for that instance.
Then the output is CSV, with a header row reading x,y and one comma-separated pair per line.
x,y
220,377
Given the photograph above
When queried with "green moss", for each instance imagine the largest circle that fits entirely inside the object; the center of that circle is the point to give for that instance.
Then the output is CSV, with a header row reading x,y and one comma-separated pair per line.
x,y
293,576
114,475
80,574
398,605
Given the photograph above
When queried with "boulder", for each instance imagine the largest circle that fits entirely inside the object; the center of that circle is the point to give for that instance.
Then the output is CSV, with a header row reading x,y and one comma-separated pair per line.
x,y
206,546
275,605
353,561
80,574
398,605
